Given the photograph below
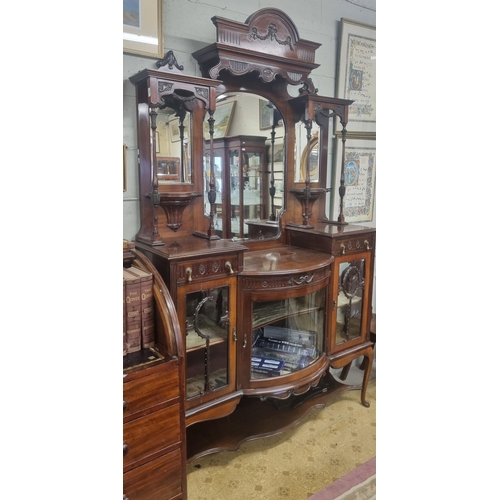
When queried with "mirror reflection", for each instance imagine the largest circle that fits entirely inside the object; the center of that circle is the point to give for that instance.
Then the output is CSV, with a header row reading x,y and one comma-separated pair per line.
x,y
173,146
303,148
248,157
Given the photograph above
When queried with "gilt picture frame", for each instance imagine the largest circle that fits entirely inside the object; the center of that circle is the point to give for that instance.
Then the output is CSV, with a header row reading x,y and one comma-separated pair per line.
x,y
223,115
356,75
143,28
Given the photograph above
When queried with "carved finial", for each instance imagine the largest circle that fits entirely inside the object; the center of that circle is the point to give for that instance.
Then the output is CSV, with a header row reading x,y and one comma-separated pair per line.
x,y
169,59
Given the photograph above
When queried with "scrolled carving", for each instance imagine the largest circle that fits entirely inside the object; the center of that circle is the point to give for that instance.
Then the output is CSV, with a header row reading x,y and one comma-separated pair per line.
x,y
303,279
165,86
308,87
169,60
202,92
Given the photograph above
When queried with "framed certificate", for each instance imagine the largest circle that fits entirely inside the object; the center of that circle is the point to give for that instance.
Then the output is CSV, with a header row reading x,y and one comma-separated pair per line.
x,y
356,74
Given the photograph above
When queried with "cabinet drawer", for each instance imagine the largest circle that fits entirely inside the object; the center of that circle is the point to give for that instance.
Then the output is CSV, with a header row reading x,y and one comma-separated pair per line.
x,y
161,478
203,269
147,435
352,245
142,393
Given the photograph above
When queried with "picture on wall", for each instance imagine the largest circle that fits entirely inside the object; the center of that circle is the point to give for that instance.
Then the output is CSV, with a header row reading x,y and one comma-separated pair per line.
x,y
265,115
223,115
173,125
356,74
143,28
359,179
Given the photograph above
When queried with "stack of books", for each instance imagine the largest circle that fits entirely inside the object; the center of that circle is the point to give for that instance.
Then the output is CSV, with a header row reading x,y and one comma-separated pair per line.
x,y
138,310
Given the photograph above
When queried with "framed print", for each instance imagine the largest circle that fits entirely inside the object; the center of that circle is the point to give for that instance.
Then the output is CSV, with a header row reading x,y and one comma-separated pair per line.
x,y
143,28
356,74
359,179
223,115
265,115
173,125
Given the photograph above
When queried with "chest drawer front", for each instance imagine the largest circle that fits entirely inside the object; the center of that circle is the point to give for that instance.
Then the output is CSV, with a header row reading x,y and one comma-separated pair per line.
x,y
149,391
161,478
150,434
203,269
352,245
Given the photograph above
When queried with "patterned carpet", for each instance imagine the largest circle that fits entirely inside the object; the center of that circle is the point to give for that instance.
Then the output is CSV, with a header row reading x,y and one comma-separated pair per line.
x,y
296,464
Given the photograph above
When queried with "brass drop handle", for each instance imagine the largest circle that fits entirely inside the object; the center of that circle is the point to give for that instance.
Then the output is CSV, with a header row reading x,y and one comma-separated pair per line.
x,y
229,267
342,249
367,245
234,334
189,274
125,449
244,341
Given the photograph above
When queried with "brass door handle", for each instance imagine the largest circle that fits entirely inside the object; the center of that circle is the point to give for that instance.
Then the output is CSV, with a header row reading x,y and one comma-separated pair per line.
x,y
229,267
367,245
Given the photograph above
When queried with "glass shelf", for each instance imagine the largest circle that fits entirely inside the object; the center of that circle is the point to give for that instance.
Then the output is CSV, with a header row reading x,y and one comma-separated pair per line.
x,y
287,335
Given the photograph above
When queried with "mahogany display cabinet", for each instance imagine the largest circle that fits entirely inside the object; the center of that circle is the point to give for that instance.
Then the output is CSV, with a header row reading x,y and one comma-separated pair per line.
x,y
268,300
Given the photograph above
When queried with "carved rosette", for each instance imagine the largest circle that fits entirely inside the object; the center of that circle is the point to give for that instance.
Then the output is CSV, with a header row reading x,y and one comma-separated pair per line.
x,y
205,269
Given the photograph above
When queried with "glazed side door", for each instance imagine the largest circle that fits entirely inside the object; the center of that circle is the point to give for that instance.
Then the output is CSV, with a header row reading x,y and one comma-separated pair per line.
x,y
351,300
207,315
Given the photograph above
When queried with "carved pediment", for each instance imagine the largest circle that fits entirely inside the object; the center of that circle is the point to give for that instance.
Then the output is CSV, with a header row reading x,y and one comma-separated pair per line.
x,y
268,42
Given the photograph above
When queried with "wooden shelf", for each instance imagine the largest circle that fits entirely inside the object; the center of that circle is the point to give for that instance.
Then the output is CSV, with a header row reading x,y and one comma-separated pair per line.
x,y
254,418
217,334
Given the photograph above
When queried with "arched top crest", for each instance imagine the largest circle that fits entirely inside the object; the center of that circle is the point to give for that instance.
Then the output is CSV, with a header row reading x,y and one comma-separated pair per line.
x,y
267,42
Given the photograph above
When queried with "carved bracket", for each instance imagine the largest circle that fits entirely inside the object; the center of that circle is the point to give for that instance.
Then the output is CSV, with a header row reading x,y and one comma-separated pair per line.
x,y
174,204
307,197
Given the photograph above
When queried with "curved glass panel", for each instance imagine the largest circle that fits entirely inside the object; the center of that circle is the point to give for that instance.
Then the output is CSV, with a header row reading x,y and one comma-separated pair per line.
x,y
287,335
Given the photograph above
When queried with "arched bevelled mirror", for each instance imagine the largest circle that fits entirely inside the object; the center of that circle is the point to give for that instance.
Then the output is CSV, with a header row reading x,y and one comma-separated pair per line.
x,y
249,159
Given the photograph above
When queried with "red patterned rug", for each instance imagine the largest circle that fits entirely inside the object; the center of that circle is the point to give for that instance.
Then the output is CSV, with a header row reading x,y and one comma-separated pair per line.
x,y
359,483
